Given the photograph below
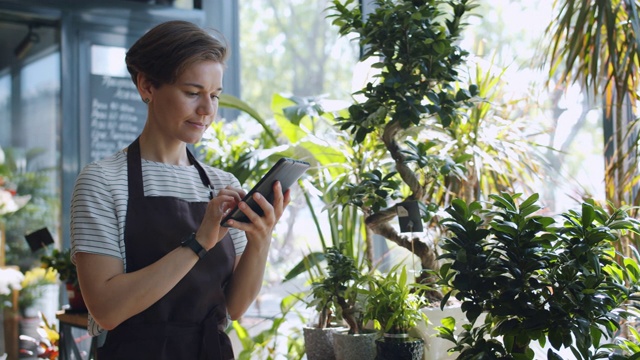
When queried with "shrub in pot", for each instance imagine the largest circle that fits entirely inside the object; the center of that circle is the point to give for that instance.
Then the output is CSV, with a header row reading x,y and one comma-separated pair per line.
x,y
340,294
537,279
414,45
395,306
60,260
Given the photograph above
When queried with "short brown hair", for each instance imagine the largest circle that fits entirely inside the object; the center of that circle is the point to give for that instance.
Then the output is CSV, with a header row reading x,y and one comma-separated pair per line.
x,y
167,49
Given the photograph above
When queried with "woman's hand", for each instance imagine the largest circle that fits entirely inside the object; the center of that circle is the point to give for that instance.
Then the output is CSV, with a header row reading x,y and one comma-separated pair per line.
x,y
210,232
260,228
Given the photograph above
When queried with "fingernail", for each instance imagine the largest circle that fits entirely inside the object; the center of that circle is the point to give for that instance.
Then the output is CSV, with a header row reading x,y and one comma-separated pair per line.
x,y
257,196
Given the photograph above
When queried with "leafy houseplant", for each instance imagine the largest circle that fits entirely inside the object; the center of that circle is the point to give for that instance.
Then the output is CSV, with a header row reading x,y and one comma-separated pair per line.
x,y
414,46
339,291
340,296
60,260
395,306
33,288
535,280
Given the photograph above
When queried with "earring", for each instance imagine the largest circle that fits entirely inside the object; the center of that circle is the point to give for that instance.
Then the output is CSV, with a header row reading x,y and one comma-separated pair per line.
x,y
146,100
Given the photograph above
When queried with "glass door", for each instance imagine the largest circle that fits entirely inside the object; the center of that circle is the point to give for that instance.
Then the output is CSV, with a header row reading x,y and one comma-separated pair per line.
x,y
29,133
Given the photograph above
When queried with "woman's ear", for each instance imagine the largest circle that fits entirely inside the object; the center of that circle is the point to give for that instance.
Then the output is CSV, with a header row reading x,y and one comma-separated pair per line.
x,y
145,88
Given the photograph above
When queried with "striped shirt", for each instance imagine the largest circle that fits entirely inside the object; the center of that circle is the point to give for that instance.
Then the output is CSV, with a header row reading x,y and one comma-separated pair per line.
x,y
99,202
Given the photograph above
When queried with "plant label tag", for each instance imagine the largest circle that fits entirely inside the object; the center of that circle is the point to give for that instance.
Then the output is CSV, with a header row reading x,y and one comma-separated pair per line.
x,y
39,239
409,216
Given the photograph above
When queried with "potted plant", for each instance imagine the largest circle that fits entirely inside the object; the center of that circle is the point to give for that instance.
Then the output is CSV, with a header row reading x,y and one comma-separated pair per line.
x,y
537,281
38,294
33,289
60,260
346,286
395,306
413,45
318,336
338,296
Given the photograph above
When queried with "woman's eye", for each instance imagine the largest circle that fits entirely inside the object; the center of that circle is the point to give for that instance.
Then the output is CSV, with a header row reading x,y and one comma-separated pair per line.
x,y
215,97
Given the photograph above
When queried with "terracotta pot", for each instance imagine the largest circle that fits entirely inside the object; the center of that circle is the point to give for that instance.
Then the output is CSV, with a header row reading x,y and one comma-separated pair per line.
x,y
76,302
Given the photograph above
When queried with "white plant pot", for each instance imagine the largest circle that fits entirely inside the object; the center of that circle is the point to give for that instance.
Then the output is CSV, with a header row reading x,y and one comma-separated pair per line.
x,y
436,347
48,303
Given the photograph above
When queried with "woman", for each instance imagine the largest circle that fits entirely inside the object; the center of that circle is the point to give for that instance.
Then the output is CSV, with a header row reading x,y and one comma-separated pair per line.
x,y
156,269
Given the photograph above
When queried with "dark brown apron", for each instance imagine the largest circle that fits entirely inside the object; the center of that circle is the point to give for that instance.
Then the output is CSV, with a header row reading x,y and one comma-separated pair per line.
x,y
187,323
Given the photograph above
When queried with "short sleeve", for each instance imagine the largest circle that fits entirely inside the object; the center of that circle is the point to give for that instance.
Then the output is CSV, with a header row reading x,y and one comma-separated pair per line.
x,y
94,224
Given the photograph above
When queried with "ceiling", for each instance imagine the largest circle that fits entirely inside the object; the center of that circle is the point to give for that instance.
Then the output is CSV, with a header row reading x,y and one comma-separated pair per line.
x,y
14,28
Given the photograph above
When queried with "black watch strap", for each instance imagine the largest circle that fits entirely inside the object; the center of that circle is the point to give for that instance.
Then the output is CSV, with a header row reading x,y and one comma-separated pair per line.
x,y
194,245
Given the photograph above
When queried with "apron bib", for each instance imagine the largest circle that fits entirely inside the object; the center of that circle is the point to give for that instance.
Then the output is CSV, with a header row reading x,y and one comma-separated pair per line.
x,y
188,322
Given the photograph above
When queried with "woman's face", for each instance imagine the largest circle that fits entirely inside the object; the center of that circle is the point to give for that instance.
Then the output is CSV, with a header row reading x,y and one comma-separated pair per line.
x,y
184,110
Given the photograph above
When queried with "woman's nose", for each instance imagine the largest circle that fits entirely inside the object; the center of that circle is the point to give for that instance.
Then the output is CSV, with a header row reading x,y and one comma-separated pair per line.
x,y
207,106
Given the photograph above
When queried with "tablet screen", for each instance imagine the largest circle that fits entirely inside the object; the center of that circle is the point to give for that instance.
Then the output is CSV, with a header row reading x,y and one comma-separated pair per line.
x,y
286,170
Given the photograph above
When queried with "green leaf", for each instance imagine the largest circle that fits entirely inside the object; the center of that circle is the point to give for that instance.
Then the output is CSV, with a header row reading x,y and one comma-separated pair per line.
x,y
232,102
530,201
306,263
588,214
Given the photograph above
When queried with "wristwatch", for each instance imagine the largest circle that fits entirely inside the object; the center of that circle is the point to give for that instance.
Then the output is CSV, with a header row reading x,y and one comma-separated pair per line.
x,y
191,242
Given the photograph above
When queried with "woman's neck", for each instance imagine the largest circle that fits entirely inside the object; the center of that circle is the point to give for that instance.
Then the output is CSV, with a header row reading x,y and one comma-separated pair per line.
x,y
159,150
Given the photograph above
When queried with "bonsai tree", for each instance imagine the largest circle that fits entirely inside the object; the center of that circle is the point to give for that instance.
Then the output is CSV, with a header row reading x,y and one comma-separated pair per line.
x,y
536,280
414,44
340,292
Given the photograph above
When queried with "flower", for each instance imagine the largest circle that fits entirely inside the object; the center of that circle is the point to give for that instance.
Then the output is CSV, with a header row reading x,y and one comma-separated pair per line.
x,y
32,286
46,343
10,203
10,279
39,276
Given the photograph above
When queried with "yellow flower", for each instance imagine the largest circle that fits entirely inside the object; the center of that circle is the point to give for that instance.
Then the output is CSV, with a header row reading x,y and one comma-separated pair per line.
x,y
39,276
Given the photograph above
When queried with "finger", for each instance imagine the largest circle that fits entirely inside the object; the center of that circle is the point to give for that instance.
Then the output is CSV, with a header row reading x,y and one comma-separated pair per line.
x,y
232,192
239,191
278,205
221,204
265,206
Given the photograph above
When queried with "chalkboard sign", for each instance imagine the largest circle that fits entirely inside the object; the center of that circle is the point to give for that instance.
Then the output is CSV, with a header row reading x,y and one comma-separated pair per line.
x,y
117,115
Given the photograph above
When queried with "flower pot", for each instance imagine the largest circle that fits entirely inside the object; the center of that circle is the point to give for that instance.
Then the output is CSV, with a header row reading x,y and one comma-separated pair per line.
x,y
318,342
76,302
436,347
355,346
399,347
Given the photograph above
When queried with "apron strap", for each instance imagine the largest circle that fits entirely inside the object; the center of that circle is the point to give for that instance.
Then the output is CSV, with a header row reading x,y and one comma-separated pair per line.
x,y
136,188
134,169
203,175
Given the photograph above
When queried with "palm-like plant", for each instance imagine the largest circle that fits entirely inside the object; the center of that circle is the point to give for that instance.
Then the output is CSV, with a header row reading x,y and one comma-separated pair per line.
x,y
595,43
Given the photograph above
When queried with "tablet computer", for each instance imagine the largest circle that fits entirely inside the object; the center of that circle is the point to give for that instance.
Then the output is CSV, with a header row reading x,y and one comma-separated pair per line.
x,y
286,170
